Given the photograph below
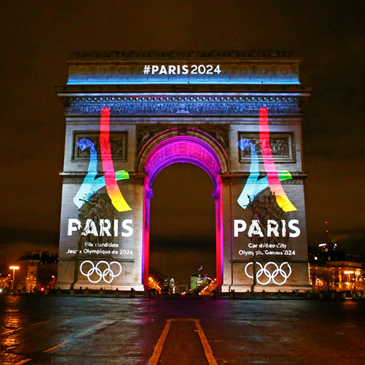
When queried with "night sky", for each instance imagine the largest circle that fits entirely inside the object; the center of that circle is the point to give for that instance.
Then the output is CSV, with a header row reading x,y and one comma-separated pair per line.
x,y
37,37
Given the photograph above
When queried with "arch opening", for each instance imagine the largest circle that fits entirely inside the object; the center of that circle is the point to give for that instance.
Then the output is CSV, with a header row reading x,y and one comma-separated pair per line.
x,y
183,149
182,225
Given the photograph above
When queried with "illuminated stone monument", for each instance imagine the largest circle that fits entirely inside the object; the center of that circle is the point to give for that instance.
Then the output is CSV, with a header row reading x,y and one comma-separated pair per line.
x,y
234,114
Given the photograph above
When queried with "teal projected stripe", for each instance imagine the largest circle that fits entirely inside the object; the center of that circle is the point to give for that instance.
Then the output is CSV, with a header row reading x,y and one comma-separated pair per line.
x,y
90,185
253,185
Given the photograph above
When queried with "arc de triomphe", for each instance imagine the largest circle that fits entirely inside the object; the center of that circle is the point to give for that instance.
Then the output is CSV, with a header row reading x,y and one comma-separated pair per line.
x,y
236,115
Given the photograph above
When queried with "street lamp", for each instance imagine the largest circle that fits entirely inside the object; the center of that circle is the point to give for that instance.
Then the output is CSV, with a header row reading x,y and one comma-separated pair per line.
x,y
13,268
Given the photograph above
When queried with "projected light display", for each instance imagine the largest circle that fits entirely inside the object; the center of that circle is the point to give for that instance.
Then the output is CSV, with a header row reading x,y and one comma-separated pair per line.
x,y
278,275
266,228
273,178
103,270
112,187
253,185
111,177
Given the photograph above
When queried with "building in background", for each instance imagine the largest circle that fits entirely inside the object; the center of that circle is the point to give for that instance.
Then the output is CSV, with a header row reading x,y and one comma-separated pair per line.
x,y
193,282
331,269
169,285
37,270
181,288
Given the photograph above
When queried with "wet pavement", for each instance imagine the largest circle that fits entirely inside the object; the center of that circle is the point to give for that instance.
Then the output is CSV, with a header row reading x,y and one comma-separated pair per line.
x,y
180,330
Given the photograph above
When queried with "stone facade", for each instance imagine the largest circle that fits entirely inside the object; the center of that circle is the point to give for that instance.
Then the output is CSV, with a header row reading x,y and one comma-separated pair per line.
x,y
200,119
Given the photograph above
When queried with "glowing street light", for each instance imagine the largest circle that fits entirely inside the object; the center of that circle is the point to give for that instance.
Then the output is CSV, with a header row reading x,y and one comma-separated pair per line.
x,y
13,268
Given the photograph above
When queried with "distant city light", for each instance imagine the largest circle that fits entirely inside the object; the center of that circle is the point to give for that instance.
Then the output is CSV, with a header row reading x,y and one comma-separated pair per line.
x,y
13,280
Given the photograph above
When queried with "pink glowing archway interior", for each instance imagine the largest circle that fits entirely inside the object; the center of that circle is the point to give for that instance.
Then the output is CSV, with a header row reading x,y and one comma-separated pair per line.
x,y
183,149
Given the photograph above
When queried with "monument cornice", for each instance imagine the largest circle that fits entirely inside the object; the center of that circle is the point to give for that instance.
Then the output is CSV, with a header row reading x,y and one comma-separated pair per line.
x,y
168,105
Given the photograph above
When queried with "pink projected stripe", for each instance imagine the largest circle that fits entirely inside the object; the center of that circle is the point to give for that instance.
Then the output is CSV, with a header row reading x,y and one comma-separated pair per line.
x,y
106,157
272,175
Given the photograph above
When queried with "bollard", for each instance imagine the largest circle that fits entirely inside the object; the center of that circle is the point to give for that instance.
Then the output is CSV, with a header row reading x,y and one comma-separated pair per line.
x,y
363,295
308,295
263,294
72,291
59,291
333,295
133,293
46,291
279,294
343,295
320,295
354,296
86,292
117,292
101,292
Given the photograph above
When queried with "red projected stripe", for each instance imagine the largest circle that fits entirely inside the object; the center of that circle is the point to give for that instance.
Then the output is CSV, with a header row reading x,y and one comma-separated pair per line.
x,y
272,175
112,187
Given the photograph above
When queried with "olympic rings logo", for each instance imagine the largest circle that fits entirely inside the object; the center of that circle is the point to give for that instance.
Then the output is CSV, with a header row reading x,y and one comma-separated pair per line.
x,y
270,275
103,274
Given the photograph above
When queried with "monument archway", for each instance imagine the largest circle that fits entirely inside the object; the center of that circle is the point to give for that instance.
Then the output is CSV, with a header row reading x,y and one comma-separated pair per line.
x,y
237,115
187,148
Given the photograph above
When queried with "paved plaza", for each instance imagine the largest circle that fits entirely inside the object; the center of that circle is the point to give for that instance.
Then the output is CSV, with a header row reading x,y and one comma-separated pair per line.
x,y
180,330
